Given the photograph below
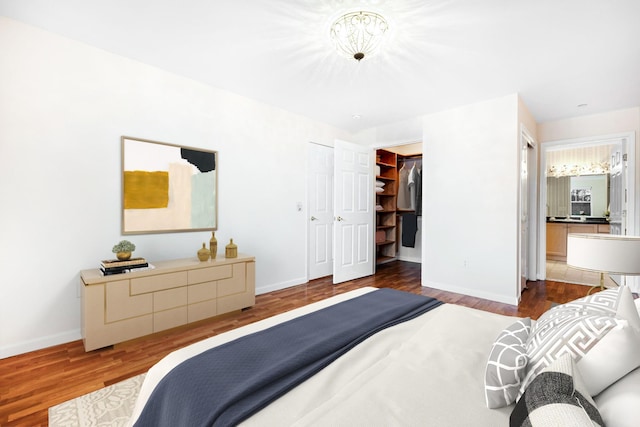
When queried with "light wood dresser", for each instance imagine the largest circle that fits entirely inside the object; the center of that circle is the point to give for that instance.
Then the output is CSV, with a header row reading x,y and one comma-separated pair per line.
x,y
121,307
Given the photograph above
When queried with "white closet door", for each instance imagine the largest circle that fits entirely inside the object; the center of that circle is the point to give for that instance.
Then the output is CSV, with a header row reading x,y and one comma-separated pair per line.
x,y
353,228
320,190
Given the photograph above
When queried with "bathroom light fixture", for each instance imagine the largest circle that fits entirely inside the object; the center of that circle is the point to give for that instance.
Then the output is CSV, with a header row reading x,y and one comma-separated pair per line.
x,y
358,34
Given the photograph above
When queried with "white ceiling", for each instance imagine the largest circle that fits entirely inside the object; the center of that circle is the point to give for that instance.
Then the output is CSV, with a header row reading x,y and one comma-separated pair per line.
x,y
441,53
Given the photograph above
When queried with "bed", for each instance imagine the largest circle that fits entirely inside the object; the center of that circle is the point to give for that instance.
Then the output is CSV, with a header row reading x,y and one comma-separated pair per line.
x,y
430,370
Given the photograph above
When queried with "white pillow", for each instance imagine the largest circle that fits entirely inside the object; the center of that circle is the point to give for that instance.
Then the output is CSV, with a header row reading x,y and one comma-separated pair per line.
x,y
601,332
619,403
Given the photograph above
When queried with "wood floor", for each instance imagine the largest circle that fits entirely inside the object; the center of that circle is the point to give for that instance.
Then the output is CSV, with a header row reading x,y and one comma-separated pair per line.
x,y
31,383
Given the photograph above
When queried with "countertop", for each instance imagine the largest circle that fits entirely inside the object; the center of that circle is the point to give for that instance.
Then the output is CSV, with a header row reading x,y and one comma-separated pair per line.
x,y
579,220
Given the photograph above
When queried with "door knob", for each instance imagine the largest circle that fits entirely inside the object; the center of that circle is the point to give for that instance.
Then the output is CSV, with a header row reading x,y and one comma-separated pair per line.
x,y
313,218
339,218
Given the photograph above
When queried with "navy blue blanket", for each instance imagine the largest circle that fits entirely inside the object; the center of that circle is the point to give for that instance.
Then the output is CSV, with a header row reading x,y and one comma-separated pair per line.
x,y
228,383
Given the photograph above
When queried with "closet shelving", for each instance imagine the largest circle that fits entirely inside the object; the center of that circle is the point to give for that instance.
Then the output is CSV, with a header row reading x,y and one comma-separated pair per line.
x,y
387,162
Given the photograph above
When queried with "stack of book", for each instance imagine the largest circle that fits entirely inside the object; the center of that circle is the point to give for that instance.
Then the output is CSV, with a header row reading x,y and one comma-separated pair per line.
x,y
115,266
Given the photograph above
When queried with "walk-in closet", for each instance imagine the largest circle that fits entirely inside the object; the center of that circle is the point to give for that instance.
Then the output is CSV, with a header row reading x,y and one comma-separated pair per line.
x,y
399,203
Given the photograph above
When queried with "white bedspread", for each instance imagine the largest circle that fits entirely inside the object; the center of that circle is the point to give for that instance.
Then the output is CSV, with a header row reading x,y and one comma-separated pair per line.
x,y
428,371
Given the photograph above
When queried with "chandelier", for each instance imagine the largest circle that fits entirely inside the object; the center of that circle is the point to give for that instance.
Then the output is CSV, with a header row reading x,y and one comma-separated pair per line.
x,y
358,34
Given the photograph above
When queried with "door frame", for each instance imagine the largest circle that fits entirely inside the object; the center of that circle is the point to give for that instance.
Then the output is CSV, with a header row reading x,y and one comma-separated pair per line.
x,y
633,222
527,140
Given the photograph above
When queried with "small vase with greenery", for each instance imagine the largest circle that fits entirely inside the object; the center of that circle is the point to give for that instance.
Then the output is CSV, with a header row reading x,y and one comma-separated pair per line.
x,y
123,250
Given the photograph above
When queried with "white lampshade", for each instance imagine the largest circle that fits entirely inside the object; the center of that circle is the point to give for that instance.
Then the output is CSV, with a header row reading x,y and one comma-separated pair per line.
x,y
604,253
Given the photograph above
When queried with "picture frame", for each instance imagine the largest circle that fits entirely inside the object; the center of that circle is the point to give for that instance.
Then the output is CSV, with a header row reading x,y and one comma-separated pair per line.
x,y
168,188
581,201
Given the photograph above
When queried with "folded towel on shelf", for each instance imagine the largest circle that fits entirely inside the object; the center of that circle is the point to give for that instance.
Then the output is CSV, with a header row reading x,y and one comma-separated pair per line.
x,y
379,189
379,184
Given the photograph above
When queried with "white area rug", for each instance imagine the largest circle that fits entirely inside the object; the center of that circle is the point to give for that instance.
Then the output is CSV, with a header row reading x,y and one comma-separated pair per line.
x,y
109,406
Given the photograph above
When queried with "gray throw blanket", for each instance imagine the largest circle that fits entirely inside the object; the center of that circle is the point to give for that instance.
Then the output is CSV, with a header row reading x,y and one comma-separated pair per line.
x,y
228,383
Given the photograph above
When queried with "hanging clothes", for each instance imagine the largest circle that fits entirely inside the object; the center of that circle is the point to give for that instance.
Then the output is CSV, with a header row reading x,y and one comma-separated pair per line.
x,y
409,230
412,187
404,198
418,186
415,188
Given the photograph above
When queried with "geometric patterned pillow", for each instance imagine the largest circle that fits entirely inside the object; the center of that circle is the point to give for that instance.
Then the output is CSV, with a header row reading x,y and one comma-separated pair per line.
x,y
616,302
507,364
597,331
556,397
604,302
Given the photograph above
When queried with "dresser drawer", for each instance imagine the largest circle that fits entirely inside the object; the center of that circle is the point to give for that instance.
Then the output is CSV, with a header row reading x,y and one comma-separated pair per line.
x,y
171,298
202,292
120,305
202,310
235,284
210,274
158,282
169,318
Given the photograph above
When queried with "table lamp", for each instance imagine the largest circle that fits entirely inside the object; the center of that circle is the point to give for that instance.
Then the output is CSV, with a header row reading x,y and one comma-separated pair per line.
x,y
604,253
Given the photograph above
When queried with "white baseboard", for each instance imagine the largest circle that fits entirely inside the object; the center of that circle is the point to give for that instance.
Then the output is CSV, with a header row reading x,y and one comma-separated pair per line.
x,y
410,259
282,285
473,293
39,343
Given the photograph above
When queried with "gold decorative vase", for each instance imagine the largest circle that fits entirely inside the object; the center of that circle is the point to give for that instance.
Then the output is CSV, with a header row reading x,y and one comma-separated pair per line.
x,y
203,254
213,245
231,250
123,256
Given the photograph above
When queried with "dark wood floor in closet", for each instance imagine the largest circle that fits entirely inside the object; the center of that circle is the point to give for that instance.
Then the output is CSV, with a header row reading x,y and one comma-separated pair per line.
x,y
32,382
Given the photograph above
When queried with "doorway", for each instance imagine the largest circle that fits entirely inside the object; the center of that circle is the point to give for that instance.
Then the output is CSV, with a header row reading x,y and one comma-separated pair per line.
x,y
322,217
626,144
409,158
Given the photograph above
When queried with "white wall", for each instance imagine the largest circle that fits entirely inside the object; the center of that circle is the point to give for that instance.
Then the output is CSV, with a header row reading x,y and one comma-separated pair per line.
x,y
63,108
470,198
611,122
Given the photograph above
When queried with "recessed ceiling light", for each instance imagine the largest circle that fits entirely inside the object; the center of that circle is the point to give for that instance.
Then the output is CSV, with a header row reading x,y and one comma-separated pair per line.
x,y
356,117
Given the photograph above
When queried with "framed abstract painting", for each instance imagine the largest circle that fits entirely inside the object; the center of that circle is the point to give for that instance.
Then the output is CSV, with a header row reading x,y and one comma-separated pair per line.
x,y
167,187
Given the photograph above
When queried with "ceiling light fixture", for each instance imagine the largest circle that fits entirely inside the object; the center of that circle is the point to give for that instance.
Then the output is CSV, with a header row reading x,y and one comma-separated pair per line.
x,y
358,34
